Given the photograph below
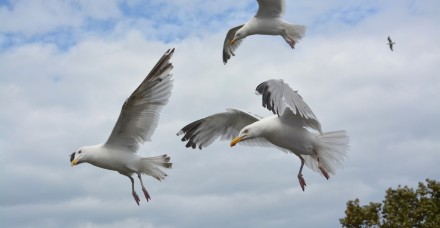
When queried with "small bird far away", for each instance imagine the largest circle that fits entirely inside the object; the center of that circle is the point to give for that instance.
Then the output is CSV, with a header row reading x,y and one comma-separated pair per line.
x,y
390,43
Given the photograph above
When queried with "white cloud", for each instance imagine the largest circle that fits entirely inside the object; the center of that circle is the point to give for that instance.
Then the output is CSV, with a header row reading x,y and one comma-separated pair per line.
x,y
44,16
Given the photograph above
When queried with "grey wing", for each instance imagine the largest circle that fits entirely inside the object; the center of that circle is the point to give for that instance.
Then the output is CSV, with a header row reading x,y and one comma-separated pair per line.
x,y
279,98
270,8
389,39
140,113
228,49
226,125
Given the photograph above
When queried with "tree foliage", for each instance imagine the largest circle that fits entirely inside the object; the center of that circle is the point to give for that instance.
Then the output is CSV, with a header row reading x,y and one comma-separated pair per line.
x,y
402,207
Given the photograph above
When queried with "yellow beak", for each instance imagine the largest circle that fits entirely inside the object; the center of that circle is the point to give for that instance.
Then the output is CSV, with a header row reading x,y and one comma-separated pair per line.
x,y
74,162
232,42
236,140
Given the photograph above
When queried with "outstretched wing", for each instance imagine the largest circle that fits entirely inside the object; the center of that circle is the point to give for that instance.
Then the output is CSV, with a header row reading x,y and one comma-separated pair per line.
x,y
228,49
270,8
279,98
140,113
226,125
389,39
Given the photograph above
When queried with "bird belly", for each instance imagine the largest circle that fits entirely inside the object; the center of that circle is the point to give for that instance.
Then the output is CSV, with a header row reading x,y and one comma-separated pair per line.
x,y
266,27
296,139
122,162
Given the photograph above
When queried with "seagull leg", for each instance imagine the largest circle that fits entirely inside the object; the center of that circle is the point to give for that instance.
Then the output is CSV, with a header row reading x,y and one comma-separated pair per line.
x,y
301,180
322,168
324,172
289,39
147,196
135,196
291,43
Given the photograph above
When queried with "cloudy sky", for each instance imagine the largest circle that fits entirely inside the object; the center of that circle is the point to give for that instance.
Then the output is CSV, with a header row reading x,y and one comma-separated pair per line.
x,y
67,66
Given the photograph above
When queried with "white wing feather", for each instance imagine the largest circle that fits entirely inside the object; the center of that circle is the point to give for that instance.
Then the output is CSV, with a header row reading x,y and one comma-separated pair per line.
x,y
279,98
140,113
228,49
270,8
226,125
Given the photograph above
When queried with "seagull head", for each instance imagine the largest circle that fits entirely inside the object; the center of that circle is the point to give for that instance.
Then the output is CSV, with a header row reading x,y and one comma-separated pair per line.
x,y
240,34
77,157
248,132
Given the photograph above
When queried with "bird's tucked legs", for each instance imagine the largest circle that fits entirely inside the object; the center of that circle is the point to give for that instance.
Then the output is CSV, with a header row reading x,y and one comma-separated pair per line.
x,y
291,43
289,40
147,196
301,180
135,196
323,171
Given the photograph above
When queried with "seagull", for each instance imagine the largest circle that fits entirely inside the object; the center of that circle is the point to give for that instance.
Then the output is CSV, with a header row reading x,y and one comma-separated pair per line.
x,y
267,21
390,43
289,130
136,123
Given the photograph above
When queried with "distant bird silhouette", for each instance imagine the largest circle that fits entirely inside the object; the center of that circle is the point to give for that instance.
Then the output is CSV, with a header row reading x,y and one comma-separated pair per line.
x,y
390,43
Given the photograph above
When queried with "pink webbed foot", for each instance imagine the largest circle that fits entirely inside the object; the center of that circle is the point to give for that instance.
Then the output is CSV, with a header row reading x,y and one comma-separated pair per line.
x,y
324,173
147,196
136,197
302,182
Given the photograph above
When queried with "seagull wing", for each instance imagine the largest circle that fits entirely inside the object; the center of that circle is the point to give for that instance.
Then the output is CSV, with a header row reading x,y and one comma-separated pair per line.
x,y
140,113
270,8
228,49
279,98
389,39
226,125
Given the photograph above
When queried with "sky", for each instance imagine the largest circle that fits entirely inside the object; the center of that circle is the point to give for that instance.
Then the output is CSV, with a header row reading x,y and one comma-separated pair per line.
x,y
66,68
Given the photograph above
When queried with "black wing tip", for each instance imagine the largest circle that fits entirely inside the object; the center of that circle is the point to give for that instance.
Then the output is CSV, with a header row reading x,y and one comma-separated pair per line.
x,y
263,89
225,58
169,51
190,132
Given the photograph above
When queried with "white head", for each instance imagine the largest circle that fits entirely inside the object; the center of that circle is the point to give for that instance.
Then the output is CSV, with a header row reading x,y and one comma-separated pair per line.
x,y
249,132
79,156
240,34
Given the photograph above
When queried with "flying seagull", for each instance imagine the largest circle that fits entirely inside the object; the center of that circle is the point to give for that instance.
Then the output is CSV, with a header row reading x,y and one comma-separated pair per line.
x,y
267,21
286,130
390,43
136,123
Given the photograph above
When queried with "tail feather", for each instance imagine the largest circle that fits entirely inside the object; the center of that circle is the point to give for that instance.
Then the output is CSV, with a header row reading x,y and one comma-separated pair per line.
x,y
294,32
151,166
332,148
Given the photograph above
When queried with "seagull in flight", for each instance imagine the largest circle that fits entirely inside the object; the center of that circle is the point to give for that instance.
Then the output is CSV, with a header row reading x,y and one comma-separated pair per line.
x,y
136,123
390,43
290,130
267,21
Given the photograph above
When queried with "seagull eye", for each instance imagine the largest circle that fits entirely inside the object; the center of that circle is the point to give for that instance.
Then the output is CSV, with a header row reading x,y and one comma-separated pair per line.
x,y
79,152
246,131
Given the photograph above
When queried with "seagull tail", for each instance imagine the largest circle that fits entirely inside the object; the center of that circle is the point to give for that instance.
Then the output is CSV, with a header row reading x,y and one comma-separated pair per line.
x,y
332,148
294,33
151,166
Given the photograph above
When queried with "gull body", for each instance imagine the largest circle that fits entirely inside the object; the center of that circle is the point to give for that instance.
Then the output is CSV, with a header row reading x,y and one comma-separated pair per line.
x,y
266,26
301,141
290,130
106,157
136,123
